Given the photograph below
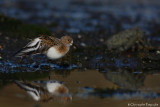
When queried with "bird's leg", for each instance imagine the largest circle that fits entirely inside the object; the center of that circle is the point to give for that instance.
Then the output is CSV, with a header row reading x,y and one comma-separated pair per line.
x,y
49,76
49,63
52,66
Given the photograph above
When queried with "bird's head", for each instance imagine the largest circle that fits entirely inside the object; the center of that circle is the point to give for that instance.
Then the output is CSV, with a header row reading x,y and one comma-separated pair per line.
x,y
67,40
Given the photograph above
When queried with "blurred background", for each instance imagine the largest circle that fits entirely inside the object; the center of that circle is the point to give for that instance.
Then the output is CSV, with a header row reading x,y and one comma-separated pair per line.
x,y
94,75
74,16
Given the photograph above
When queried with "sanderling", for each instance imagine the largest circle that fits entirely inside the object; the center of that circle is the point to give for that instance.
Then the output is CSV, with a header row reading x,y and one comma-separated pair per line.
x,y
48,92
52,47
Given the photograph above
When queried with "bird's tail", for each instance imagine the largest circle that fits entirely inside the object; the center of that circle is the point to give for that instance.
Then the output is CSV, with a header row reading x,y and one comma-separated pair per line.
x,y
30,48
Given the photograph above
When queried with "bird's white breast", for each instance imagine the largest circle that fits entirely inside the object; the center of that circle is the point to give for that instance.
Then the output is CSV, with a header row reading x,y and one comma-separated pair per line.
x,y
52,87
52,53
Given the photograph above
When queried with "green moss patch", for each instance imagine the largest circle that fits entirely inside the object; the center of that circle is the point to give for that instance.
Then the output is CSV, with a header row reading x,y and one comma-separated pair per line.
x,y
17,28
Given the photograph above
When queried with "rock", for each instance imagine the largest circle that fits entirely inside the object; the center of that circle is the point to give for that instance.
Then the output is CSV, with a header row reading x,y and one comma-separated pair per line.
x,y
125,39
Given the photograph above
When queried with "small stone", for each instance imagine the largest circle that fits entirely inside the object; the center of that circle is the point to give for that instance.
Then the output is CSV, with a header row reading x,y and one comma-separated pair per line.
x,y
85,69
79,36
101,40
158,52
74,47
7,38
85,58
83,44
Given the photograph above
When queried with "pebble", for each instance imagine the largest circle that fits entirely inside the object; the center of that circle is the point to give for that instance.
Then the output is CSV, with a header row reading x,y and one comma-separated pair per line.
x,y
83,44
101,40
85,57
79,36
158,52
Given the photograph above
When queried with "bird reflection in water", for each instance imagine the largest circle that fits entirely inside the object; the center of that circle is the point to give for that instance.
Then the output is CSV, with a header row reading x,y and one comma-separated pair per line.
x,y
46,91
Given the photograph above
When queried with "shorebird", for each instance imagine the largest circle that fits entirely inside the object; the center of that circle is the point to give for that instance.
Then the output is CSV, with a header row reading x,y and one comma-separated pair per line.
x,y
52,47
51,90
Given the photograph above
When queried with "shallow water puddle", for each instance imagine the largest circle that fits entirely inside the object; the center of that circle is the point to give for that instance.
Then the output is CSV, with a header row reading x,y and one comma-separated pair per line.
x,y
86,87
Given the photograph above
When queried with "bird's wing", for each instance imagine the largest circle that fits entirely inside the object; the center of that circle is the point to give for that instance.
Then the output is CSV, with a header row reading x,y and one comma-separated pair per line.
x,y
37,45
38,93
46,43
32,90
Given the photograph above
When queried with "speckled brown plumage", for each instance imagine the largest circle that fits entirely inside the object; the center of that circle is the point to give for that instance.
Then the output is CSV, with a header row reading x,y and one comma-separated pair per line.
x,y
62,90
53,47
